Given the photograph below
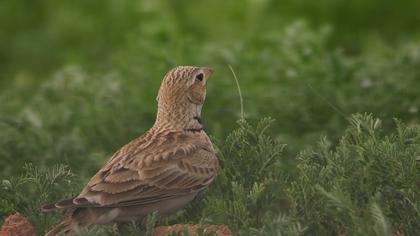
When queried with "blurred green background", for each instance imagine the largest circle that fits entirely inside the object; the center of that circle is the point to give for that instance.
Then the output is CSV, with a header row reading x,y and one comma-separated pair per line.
x,y
79,78
38,37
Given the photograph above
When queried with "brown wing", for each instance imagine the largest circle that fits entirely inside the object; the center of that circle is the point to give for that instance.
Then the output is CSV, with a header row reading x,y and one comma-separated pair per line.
x,y
166,166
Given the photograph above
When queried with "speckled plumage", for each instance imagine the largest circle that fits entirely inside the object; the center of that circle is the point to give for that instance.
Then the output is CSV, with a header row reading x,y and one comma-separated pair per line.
x,y
160,171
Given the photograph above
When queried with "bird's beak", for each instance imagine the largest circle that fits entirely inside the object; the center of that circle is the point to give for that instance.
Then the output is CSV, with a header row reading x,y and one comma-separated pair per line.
x,y
207,71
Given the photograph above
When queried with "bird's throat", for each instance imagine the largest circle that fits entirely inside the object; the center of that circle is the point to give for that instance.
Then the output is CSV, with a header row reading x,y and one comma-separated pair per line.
x,y
187,117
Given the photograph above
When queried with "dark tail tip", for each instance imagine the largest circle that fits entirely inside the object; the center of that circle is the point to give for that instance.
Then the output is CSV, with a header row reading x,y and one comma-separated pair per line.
x,y
48,207
67,203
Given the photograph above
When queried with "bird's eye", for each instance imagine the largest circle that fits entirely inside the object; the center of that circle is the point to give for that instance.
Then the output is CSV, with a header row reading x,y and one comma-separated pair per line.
x,y
199,77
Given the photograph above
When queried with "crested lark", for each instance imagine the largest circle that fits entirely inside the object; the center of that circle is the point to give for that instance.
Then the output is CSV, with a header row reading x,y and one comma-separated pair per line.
x,y
161,171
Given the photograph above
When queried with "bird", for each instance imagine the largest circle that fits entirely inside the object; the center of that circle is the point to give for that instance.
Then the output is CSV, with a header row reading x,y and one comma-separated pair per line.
x,y
161,171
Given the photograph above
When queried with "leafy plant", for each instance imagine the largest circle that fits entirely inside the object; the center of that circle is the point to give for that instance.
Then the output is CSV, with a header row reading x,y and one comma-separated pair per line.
x,y
245,194
38,186
366,185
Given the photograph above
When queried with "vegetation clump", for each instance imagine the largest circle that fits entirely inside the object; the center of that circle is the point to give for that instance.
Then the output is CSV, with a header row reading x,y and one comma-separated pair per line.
x,y
366,184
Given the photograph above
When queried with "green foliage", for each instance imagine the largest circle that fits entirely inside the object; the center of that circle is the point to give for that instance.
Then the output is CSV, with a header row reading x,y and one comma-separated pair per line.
x,y
365,185
38,186
249,177
53,126
151,223
79,113
39,36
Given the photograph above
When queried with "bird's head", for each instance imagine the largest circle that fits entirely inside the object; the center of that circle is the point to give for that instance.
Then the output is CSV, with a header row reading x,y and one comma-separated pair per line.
x,y
181,97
